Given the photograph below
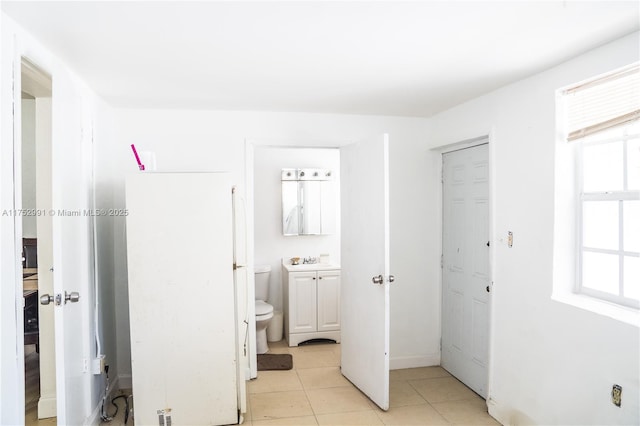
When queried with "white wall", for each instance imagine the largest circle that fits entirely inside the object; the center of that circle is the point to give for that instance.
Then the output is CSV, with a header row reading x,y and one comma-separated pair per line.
x,y
29,229
552,363
270,245
105,238
215,140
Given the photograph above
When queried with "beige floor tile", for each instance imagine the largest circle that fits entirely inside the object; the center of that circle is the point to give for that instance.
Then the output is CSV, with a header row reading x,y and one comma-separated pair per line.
x,y
465,412
31,419
418,373
351,418
401,394
442,389
315,347
412,415
314,359
293,421
278,350
280,343
247,415
337,350
272,405
275,381
280,347
323,377
337,400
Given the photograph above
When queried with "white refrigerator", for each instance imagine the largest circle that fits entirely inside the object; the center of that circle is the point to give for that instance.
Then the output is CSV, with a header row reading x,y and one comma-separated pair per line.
x,y
186,244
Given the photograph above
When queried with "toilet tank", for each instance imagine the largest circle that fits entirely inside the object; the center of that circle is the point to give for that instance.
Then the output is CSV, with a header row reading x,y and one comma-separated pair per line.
x,y
262,273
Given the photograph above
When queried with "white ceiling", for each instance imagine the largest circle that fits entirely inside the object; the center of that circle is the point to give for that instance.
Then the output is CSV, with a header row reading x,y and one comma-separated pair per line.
x,y
386,57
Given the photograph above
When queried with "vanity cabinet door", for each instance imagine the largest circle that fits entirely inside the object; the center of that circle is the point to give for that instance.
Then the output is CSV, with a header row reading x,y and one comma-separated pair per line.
x,y
302,302
328,300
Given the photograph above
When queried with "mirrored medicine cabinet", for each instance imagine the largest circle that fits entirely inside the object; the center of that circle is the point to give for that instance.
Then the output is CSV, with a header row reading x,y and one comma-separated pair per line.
x,y
308,202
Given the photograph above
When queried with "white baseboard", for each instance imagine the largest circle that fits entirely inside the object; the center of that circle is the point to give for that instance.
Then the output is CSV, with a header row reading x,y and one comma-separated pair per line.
x,y
413,361
47,407
124,381
508,415
95,418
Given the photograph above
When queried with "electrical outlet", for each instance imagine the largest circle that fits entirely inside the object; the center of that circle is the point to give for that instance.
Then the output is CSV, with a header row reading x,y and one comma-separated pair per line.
x,y
85,365
98,364
616,395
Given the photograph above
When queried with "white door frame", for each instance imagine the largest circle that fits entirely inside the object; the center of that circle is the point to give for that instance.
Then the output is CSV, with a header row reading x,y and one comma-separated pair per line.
x,y
249,168
22,53
444,149
38,84
249,150
40,87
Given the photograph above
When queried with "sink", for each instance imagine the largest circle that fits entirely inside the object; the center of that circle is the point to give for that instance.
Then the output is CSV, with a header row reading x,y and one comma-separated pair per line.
x,y
311,267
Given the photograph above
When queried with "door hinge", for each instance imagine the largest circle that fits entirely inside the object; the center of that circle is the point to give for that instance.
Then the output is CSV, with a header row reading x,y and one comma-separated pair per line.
x,y
441,261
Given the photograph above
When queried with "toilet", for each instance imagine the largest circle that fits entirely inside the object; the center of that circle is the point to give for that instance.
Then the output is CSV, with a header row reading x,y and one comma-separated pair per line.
x,y
264,311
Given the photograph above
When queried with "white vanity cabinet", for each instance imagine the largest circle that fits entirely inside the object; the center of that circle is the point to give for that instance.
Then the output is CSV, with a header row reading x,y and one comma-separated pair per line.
x,y
311,302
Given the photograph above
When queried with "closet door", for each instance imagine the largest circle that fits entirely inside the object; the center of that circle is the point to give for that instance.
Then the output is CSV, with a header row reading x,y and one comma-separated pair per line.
x,y
465,272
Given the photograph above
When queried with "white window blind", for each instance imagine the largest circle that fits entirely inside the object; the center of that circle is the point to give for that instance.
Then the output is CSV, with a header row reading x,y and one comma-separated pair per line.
x,y
603,103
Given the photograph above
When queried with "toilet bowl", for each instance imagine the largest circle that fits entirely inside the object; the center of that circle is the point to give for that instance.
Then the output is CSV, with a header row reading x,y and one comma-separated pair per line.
x,y
264,311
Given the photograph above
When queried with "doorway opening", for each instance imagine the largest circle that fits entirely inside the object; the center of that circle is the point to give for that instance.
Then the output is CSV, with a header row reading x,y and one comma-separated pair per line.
x,y
274,243
466,274
37,241
363,262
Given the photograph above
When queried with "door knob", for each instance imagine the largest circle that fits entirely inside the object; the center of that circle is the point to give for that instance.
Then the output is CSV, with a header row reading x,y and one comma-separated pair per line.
x,y
378,280
45,299
72,297
391,278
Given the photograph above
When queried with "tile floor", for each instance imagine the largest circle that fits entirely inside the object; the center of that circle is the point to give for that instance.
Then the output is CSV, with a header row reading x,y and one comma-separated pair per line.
x,y
315,393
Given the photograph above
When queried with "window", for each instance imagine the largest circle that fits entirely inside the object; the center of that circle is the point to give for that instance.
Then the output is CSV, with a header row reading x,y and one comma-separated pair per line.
x,y
603,116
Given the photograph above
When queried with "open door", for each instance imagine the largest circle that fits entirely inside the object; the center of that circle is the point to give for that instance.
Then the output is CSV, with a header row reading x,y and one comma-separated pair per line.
x,y
364,174
69,262
72,252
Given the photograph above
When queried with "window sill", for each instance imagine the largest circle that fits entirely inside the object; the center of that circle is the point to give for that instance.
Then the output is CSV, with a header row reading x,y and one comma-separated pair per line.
x,y
616,312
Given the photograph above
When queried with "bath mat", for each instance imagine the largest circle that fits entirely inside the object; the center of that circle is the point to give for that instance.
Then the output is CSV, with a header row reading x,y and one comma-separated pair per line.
x,y
275,362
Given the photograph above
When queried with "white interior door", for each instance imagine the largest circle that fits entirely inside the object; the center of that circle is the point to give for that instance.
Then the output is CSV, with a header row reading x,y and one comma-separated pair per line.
x,y
364,174
465,274
47,402
72,253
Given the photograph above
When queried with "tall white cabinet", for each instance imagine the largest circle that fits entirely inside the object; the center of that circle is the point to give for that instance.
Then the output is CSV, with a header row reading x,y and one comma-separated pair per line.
x,y
182,299
311,302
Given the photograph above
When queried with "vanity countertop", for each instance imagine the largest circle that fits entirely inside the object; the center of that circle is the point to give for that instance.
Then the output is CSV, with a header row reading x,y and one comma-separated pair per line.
x,y
303,267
